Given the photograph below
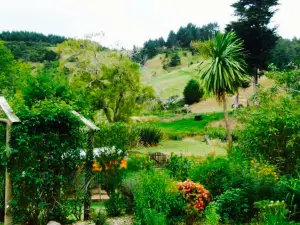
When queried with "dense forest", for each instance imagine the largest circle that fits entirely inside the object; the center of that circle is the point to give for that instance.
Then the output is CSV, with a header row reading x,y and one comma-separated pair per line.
x,y
31,46
181,39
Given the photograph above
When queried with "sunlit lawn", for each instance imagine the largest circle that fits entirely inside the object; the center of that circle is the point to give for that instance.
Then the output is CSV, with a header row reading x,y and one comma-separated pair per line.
x,y
188,147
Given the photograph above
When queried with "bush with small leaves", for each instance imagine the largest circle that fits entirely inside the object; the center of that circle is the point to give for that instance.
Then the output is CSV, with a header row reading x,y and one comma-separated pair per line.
x,y
192,92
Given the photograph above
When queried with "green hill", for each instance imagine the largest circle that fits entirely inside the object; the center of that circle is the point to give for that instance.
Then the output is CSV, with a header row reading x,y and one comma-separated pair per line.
x,y
171,81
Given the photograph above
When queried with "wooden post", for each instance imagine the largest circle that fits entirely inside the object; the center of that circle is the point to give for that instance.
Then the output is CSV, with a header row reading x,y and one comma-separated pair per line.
x,y
8,184
88,173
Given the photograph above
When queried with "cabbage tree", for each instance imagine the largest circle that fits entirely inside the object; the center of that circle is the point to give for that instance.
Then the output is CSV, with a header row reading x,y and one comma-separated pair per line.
x,y
223,72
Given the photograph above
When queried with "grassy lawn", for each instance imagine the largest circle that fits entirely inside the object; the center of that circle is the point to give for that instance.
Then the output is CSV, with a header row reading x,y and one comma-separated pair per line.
x,y
187,147
188,126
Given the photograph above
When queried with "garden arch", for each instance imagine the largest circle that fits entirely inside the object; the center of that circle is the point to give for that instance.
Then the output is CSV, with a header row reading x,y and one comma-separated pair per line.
x,y
9,121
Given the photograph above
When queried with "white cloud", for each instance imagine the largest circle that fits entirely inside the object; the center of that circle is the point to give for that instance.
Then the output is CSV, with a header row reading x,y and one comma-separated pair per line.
x,y
128,21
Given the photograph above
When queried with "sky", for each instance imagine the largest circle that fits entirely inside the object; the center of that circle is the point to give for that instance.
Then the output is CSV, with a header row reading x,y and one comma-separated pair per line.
x,y
129,22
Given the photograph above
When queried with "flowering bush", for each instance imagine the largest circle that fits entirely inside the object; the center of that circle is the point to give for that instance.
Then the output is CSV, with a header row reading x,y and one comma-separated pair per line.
x,y
195,194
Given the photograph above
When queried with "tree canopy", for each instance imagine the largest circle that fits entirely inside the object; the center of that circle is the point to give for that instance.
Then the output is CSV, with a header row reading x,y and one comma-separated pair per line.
x,y
253,28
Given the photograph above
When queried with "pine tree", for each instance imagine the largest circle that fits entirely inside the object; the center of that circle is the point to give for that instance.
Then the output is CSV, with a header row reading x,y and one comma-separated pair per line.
x,y
253,28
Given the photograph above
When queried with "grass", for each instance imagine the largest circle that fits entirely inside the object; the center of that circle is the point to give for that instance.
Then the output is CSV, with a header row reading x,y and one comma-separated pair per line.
x,y
188,147
97,206
188,126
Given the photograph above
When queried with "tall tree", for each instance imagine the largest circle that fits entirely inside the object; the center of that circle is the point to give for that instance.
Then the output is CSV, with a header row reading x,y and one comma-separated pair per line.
x,y
253,28
172,39
224,69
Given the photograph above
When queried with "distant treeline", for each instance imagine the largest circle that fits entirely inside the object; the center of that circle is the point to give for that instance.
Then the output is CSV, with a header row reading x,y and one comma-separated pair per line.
x,y
31,46
286,54
181,39
31,51
28,36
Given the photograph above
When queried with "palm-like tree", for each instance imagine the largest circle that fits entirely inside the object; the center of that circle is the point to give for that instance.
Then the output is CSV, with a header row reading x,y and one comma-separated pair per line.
x,y
224,70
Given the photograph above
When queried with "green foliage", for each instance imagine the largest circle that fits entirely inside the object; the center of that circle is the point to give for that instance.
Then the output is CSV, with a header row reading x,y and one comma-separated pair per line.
x,y
192,92
46,84
272,212
271,132
120,135
6,67
152,217
112,174
126,189
225,70
214,173
28,36
211,215
289,80
233,205
137,163
179,167
175,60
115,205
157,192
254,18
216,133
99,218
188,126
111,80
181,39
150,135
44,157
285,53
32,51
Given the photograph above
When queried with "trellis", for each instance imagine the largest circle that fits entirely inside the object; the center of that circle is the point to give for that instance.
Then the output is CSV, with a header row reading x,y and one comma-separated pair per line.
x,y
9,121
12,119
89,160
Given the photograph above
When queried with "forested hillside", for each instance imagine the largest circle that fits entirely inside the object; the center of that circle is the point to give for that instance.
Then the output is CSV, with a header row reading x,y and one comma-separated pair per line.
x,y
32,46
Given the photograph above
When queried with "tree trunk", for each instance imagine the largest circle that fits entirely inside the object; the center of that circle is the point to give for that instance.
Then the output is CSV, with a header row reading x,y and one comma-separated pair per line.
x,y
236,100
105,109
229,136
116,114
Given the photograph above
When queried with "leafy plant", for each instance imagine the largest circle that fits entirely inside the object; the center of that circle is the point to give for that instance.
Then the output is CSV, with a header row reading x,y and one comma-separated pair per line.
x,y
272,213
150,135
271,132
211,214
156,191
179,167
175,60
214,173
233,205
45,157
197,198
115,205
99,218
152,217
192,92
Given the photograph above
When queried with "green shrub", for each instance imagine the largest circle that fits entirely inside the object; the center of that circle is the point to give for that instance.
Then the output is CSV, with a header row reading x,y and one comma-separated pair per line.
x,y
175,60
211,215
179,167
192,92
126,189
99,218
138,163
214,173
115,205
233,205
272,212
271,132
120,135
216,133
150,135
156,191
152,217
